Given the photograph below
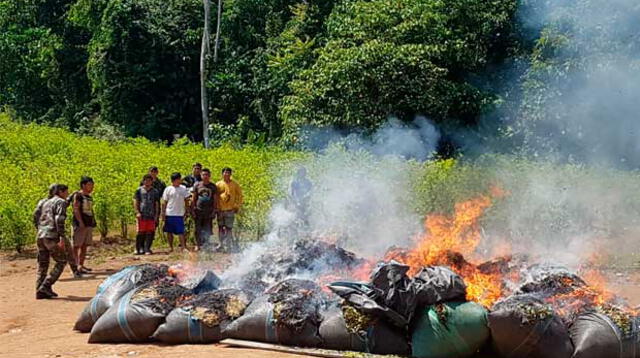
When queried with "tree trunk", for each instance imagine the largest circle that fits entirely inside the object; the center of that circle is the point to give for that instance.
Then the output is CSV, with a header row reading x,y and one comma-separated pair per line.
x,y
217,45
204,53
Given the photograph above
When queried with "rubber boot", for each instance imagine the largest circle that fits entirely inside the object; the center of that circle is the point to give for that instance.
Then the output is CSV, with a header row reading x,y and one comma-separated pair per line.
x,y
148,241
140,238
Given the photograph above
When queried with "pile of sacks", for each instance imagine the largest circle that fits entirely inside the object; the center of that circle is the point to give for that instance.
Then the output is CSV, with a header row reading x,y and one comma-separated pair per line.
x,y
423,316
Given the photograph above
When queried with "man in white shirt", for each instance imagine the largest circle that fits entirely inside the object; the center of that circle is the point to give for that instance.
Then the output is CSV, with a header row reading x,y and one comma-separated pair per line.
x,y
174,202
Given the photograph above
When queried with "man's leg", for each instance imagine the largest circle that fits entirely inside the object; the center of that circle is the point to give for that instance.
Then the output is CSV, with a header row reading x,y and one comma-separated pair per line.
x,y
60,257
207,232
71,259
229,219
87,234
83,256
183,241
170,241
43,264
140,238
148,241
221,234
198,232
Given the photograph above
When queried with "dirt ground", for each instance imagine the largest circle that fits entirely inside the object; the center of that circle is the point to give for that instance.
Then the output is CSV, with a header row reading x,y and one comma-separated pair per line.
x,y
43,328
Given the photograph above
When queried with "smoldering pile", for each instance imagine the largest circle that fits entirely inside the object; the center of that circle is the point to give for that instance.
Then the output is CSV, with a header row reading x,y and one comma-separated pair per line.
x,y
304,257
545,311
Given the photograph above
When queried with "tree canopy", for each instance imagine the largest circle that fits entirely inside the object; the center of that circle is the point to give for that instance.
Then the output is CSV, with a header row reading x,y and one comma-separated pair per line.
x,y
286,65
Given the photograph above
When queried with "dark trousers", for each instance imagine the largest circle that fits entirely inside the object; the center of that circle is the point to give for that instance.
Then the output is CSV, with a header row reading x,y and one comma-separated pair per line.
x,y
144,240
204,230
47,249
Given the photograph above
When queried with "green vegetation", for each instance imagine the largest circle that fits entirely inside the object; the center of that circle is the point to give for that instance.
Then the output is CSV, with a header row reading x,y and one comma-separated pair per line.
x,y
131,67
35,156
545,201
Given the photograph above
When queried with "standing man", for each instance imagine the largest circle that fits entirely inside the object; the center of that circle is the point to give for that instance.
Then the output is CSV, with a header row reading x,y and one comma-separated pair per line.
x,y
189,181
204,204
146,203
300,194
51,239
196,175
67,244
83,221
158,184
174,204
230,202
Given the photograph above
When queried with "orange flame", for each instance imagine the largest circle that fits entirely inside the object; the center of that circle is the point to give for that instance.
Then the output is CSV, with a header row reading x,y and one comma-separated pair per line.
x,y
447,240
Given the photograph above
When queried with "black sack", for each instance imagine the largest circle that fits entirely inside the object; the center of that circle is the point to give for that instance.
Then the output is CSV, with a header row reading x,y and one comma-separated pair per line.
x,y
137,315
363,297
397,291
436,284
287,314
522,326
113,288
202,318
377,337
595,335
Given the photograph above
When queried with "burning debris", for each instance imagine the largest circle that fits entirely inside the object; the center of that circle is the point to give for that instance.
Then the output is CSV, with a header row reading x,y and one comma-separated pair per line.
x,y
304,257
435,299
162,296
195,278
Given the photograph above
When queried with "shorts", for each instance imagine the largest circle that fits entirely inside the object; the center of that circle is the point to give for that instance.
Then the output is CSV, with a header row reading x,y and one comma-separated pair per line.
x,y
82,236
226,218
174,225
146,226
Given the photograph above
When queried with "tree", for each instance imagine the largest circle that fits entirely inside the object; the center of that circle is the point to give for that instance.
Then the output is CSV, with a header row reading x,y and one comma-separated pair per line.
x,y
144,66
398,58
204,53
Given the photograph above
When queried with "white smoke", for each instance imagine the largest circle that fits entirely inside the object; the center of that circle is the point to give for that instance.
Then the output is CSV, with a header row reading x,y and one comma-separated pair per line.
x,y
360,196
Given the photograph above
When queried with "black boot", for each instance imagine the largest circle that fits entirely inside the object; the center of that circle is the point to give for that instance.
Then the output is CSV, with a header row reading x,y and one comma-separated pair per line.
x,y
148,241
42,296
45,291
140,244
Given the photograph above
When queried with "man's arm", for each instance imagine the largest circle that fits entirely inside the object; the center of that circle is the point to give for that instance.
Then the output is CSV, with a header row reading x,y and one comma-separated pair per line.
x,y
163,211
37,213
76,210
156,209
216,202
136,207
59,217
194,199
136,203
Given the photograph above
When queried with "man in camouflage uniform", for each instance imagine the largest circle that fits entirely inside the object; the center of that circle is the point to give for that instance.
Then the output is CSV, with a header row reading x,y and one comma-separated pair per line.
x,y
51,241
71,259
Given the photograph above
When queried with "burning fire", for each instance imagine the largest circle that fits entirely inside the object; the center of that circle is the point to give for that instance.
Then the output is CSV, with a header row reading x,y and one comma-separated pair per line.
x,y
448,240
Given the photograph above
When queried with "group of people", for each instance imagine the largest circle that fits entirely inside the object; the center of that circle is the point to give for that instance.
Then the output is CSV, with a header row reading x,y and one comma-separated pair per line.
x,y
195,196
49,218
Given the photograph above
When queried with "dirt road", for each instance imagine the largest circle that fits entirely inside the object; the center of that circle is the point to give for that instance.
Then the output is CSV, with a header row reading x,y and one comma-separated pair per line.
x,y
43,328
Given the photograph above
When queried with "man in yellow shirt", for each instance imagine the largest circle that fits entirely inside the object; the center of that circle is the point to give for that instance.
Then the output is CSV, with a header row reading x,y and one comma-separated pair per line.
x,y
229,203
